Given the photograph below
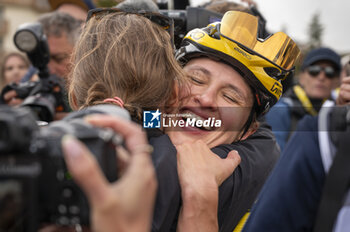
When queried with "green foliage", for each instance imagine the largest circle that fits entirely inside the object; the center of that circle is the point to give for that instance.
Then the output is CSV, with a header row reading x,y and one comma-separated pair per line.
x,y
315,32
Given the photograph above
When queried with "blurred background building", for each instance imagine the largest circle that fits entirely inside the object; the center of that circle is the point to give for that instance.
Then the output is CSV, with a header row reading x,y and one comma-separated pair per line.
x,y
16,12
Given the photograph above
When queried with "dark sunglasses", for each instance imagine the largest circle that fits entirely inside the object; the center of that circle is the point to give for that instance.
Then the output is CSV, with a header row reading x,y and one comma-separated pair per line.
x,y
315,70
163,21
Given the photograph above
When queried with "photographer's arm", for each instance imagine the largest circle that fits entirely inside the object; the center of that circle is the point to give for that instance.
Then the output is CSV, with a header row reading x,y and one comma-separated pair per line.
x,y
201,172
126,205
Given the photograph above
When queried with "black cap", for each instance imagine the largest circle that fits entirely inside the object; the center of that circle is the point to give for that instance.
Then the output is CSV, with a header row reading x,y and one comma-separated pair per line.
x,y
324,54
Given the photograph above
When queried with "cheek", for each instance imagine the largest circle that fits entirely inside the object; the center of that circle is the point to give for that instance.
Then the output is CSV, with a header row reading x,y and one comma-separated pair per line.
x,y
234,118
8,73
7,76
187,95
309,85
184,93
23,71
305,80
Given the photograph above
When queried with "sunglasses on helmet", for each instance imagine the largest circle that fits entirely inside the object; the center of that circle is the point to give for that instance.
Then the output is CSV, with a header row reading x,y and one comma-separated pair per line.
x,y
163,21
278,49
315,70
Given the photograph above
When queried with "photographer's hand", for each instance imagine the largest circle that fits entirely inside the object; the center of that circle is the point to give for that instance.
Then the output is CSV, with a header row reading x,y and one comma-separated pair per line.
x,y
11,98
344,92
127,204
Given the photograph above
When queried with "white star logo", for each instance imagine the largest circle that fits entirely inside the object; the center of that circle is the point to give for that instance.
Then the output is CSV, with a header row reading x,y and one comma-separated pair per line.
x,y
156,115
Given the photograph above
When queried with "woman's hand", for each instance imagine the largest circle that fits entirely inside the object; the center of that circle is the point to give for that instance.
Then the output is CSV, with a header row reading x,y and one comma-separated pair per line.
x,y
199,166
127,204
201,172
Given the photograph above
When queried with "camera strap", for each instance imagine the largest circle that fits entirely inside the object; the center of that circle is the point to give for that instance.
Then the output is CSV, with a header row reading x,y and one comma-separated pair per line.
x,y
304,100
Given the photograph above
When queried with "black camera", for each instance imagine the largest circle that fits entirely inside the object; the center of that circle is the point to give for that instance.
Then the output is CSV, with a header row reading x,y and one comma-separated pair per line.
x,y
186,20
196,17
35,186
47,96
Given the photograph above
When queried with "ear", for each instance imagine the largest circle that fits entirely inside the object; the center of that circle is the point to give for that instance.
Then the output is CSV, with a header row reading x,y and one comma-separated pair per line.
x,y
252,129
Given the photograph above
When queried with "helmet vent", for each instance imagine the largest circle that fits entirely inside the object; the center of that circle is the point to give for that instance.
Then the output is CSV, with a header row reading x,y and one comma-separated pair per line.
x,y
273,72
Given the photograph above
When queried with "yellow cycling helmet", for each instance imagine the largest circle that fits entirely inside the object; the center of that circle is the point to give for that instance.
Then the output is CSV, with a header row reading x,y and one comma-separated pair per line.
x,y
234,40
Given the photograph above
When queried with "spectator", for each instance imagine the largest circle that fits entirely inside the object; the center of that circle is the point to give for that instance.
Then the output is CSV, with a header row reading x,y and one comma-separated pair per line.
x,y
62,32
75,8
319,76
13,67
302,193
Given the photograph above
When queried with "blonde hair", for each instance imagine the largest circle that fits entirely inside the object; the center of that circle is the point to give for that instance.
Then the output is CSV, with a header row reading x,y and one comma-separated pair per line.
x,y
127,56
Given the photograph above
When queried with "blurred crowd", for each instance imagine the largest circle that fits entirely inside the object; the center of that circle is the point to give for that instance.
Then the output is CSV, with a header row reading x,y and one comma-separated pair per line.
x,y
278,162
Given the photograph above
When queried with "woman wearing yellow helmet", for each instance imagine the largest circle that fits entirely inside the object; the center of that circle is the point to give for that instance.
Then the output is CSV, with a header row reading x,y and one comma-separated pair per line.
x,y
261,64
236,77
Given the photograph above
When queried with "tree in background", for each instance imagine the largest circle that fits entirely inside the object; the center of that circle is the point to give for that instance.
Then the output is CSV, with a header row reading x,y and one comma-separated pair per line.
x,y
315,32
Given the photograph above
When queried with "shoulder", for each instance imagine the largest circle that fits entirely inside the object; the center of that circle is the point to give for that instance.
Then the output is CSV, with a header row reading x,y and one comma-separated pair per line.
x,y
304,140
307,124
263,139
279,115
258,154
302,154
168,194
164,152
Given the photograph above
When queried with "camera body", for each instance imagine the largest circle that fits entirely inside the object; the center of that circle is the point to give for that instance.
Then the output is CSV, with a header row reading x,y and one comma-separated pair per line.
x,y
44,98
35,186
196,17
186,20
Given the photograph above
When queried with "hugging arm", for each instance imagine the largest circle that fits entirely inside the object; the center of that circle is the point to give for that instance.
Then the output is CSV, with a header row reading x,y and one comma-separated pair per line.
x,y
259,153
200,173
211,208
